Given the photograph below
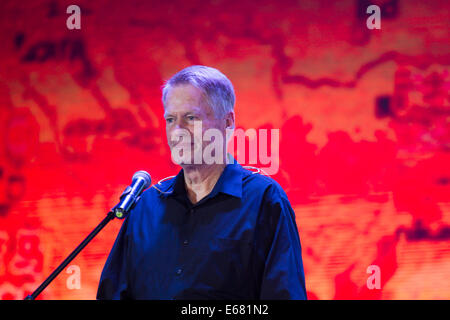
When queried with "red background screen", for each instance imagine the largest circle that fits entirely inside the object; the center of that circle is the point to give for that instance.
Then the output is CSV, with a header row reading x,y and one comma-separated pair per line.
x,y
363,117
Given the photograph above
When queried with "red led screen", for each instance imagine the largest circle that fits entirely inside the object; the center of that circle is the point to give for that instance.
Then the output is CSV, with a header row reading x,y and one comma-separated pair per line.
x,y
363,117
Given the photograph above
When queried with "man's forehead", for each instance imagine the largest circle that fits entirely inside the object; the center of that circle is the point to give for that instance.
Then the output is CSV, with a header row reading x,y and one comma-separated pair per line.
x,y
184,93
183,109
186,98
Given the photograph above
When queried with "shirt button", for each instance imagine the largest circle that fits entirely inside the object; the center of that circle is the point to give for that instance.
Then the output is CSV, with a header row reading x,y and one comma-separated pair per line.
x,y
191,211
179,271
186,242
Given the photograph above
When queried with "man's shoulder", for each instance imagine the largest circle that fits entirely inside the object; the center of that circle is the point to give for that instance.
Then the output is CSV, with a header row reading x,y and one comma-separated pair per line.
x,y
256,180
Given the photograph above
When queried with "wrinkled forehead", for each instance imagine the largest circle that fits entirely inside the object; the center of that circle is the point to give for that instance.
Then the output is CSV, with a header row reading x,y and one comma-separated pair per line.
x,y
185,98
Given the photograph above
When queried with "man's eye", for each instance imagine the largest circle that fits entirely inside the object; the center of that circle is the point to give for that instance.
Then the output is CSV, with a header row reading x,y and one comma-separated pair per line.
x,y
169,120
191,118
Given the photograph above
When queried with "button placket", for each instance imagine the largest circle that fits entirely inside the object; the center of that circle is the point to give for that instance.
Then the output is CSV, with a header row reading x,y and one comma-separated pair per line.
x,y
184,249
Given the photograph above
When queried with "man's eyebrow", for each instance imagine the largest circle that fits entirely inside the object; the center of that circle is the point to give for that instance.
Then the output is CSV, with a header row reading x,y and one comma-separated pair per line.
x,y
193,112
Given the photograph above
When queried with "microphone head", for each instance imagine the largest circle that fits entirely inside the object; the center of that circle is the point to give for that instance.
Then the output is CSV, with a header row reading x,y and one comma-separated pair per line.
x,y
145,176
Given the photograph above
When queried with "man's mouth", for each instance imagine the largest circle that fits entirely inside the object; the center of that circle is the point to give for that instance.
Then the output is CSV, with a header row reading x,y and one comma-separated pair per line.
x,y
182,144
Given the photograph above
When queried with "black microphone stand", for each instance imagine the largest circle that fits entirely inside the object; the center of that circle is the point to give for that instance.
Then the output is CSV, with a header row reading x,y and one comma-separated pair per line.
x,y
128,199
110,216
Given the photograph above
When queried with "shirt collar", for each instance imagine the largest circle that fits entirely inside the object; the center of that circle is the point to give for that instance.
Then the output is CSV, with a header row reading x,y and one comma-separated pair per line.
x,y
229,182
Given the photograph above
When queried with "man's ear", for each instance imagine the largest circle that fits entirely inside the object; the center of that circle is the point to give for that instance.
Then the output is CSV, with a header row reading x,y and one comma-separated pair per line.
x,y
229,125
229,118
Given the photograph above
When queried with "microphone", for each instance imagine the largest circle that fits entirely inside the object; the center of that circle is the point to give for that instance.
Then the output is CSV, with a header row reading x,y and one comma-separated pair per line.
x,y
141,180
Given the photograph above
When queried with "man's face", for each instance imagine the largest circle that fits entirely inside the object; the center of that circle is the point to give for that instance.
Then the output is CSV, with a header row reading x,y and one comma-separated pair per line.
x,y
185,109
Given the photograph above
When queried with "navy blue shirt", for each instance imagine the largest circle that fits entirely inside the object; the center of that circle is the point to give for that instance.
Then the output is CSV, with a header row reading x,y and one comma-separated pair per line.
x,y
239,242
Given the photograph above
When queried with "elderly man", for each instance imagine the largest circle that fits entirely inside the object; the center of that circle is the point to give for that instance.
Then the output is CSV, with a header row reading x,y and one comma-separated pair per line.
x,y
214,231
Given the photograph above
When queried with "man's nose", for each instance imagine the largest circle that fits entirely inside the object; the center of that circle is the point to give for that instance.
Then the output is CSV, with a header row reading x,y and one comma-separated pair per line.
x,y
180,124
179,131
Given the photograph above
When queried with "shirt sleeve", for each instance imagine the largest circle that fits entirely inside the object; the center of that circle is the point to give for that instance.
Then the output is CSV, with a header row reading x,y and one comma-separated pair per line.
x,y
113,281
280,249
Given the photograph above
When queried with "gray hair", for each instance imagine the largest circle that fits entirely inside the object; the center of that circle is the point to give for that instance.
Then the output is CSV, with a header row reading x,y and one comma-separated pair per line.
x,y
217,88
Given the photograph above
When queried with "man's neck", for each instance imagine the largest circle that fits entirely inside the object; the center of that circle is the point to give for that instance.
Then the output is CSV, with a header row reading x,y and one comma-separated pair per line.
x,y
199,180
